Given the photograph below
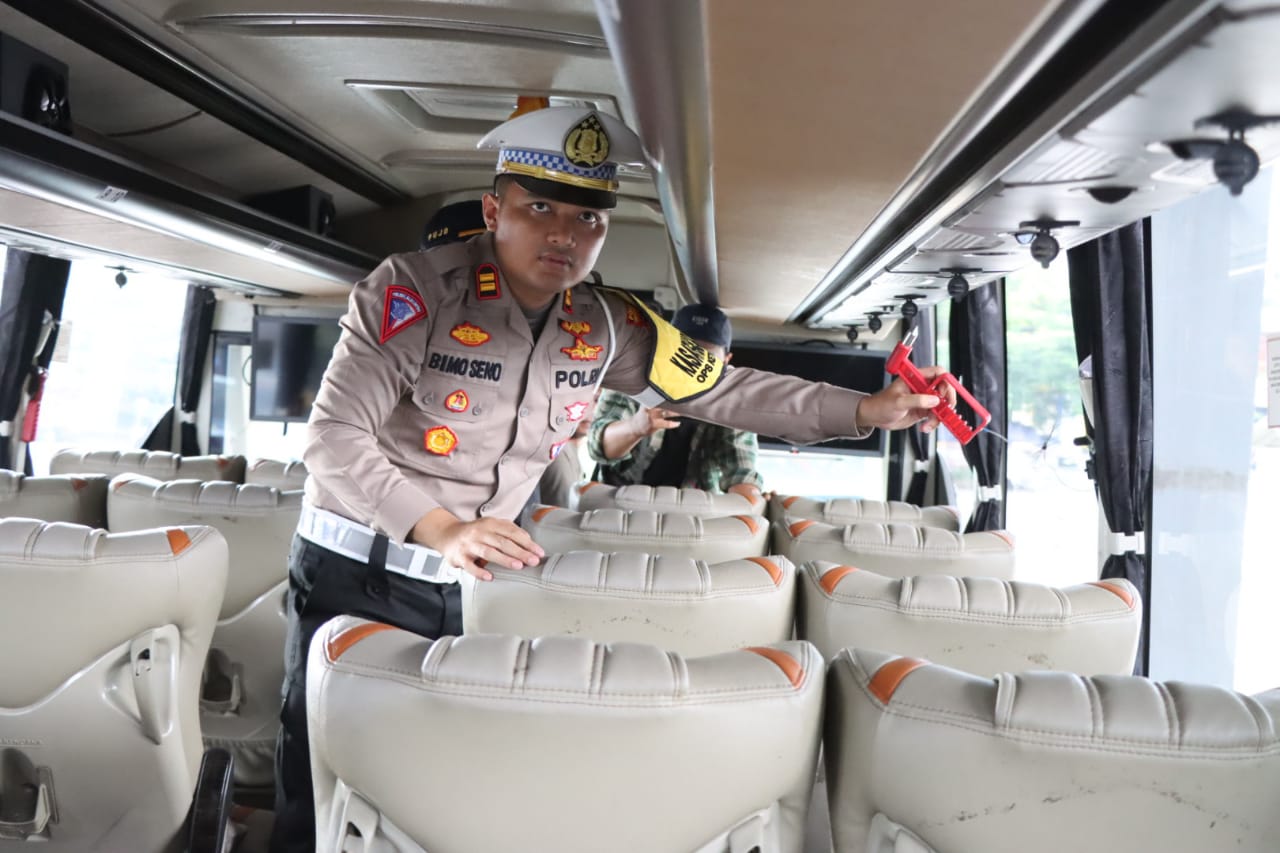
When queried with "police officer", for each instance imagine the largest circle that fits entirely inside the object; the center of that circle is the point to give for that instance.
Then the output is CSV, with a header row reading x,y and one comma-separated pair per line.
x,y
461,373
461,220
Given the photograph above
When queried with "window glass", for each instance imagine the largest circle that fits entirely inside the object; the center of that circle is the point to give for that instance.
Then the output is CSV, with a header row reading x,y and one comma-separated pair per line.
x,y
115,363
1215,496
948,448
822,475
1051,507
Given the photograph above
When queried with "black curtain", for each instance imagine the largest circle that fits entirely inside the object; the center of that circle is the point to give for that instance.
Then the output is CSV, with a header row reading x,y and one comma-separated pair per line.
x,y
923,353
30,303
197,330
978,360
1111,312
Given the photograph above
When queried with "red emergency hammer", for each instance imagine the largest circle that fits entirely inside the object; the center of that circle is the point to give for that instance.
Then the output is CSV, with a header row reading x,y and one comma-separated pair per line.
x,y
899,364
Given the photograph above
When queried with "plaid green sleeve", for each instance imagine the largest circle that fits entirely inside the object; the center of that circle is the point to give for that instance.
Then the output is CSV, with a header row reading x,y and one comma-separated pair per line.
x,y
730,458
611,408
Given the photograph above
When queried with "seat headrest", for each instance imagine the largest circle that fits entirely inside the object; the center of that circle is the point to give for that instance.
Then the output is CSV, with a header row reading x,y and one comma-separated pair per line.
x,y
981,625
584,743
593,495
677,603
647,532
841,511
897,550
159,464
286,476
73,499
1046,761
258,523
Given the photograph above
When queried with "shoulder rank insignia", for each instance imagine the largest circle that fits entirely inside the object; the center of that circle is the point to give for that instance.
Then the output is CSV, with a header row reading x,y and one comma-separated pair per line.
x,y
440,440
488,285
401,308
458,401
469,335
587,145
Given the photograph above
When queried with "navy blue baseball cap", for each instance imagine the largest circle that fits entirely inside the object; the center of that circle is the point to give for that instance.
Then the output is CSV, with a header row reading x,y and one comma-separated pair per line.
x,y
704,323
461,220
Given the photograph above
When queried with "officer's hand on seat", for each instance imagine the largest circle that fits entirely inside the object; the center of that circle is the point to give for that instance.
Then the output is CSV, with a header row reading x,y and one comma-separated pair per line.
x,y
471,545
896,407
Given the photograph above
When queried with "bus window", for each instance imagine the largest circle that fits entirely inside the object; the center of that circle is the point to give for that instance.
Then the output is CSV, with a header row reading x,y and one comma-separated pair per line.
x,y
822,475
1216,479
1050,496
115,364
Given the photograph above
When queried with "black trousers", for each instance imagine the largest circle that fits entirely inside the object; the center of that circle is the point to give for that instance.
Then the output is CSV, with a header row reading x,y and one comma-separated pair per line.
x,y
324,584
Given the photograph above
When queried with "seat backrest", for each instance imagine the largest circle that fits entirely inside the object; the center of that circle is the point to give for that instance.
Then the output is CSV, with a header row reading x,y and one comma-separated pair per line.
x,y
585,747
76,500
840,511
670,534
240,701
102,640
981,625
285,476
896,550
159,464
924,758
594,495
678,603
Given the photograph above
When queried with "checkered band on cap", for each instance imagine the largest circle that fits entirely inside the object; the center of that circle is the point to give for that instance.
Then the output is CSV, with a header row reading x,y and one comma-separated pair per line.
x,y
556,167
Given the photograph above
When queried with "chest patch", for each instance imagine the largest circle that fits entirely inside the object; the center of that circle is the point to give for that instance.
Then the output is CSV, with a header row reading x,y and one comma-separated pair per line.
x,y
458,401
440,440
401,308
581,350
469,335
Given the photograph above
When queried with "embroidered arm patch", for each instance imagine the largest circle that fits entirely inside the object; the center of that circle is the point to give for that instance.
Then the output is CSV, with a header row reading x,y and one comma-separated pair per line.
x,y
401,308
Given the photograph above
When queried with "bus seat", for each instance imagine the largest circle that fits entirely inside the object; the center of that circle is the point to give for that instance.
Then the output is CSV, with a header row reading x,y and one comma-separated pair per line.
x,y
76,500
896,550
586,747
677,603
924,758
102,639
240,698
670,534
159,464
286,476
852,510
594,495
980,625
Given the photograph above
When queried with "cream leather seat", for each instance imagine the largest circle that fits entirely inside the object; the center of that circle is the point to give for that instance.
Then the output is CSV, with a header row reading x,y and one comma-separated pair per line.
x,y
981,625
285,476
240,700
647,532
922,758
840,511
76,500
586,747
593,495
159,464
677,603
896,550
102,639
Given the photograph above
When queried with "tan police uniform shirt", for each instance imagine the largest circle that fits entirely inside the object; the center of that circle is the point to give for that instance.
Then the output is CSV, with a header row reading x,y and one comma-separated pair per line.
x,y
438,395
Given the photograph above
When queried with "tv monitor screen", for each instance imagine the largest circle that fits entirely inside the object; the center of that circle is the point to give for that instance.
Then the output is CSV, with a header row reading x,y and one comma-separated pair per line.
x,y
290,355
847,367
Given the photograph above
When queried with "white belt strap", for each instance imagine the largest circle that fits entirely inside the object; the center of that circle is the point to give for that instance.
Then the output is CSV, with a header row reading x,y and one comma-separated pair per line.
x,y
354,541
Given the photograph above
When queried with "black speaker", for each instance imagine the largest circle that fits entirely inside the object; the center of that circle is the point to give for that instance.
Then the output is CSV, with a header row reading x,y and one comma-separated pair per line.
x,y
305,206
33,85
